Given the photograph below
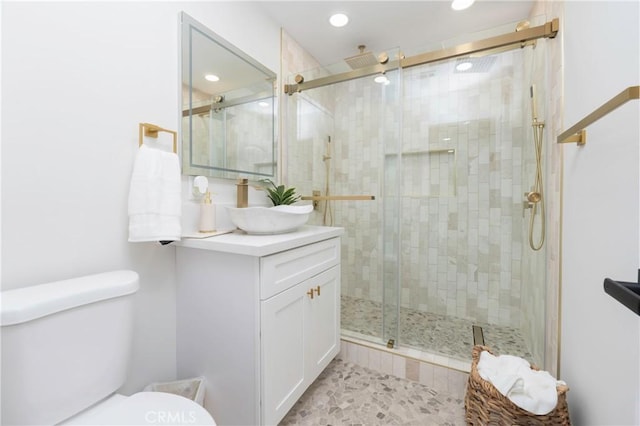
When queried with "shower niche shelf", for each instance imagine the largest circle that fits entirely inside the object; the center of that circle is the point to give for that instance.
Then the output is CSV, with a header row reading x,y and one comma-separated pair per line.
x,y
434,172
625,292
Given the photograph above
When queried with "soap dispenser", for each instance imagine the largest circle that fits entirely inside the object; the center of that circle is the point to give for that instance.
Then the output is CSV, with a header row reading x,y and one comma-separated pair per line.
x,y
207,214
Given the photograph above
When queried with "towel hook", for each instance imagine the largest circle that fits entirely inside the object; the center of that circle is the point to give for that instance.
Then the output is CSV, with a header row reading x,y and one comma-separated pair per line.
x,y
151,130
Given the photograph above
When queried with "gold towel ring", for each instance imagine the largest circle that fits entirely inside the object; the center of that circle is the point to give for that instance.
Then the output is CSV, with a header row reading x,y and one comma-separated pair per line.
x,y
151,130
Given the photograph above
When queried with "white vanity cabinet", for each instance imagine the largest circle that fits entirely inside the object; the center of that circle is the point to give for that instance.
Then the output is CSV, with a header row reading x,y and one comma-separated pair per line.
x,y
259,318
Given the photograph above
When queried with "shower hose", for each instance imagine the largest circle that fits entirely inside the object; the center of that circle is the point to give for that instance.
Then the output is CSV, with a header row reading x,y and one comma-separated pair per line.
x,y
538,127
327,219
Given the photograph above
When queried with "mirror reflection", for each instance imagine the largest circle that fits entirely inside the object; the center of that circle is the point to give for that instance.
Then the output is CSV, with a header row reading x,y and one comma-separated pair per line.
x,y
228,108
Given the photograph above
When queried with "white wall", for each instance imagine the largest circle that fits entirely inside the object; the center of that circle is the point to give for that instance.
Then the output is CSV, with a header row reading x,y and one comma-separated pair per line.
x,y
600,346
77,78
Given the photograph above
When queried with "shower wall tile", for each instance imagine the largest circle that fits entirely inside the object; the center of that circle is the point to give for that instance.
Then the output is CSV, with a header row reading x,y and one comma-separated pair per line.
x,y
386,361
468,233
426,373
375,360
362,355
412,370
399,366
441,379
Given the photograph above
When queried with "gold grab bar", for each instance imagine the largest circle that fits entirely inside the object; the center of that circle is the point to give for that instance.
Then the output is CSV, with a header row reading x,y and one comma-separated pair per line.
x,y
578,134
338,197
151,130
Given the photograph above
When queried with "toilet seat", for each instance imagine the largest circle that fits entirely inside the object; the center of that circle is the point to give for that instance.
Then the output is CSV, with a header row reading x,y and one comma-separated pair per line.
x,y
146,408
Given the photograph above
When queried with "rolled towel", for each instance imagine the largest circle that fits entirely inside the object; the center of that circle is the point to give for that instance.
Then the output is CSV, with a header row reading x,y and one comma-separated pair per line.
x,y
531,390
155,204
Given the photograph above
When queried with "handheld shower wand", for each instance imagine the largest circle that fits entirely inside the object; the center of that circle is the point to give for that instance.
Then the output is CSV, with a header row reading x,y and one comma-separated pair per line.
x,y
534,111
327,218
535,198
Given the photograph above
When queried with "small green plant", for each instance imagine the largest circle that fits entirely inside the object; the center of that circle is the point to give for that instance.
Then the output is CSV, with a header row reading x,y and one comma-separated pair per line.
x,y
280,195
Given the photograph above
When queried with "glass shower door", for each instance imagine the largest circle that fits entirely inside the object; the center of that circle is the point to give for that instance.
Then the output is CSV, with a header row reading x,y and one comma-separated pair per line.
x,y
339,140
391,132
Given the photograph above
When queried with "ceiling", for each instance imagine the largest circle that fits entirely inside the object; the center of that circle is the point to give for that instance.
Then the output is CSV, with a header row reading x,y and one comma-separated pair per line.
x,y
413,26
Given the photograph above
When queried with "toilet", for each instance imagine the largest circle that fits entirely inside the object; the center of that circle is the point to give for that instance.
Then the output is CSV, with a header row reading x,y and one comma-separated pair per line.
x,y
65,351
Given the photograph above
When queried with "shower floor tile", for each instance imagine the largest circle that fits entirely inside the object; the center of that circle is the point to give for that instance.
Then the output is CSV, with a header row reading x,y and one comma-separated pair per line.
x,y
438,334
346,393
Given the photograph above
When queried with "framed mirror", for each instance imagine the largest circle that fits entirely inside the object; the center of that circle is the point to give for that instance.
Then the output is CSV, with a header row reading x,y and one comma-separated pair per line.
x,y
228,108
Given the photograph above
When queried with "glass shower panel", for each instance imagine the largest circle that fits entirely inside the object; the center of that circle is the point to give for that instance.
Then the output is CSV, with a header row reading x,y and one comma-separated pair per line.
x,y
462,216
392,165
309,133
338,139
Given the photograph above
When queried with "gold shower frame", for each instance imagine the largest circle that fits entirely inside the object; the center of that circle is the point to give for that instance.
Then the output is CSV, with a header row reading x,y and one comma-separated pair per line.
x,y
499,43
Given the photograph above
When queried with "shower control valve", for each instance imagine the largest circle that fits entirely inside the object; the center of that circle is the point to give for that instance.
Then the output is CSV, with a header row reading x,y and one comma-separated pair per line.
x,y
533,196
316,203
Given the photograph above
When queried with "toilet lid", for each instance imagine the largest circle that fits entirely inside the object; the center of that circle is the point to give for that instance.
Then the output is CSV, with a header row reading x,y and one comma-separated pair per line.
x,y
152,408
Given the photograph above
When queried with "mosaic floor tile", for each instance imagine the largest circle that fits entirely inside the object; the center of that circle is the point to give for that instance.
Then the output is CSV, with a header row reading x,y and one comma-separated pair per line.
x,y
347,394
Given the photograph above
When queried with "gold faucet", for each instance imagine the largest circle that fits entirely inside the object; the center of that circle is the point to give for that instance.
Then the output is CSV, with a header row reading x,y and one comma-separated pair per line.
x,y
243,193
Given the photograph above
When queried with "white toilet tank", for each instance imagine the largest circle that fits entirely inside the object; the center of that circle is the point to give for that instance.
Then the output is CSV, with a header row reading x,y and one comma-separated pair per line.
x,y
65,345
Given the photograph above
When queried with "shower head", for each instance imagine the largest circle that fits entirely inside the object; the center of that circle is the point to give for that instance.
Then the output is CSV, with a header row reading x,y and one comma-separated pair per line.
x,y
362,59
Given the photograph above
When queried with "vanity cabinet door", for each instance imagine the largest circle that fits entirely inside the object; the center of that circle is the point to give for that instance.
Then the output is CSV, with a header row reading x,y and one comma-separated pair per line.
x,y
323,326
300,335
282,352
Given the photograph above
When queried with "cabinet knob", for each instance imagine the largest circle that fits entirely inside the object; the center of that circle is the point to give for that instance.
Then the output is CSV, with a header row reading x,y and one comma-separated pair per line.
x,y
317,290
310,293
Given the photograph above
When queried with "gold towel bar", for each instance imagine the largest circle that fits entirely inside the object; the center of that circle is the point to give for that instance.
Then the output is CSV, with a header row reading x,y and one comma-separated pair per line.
x,y
339,197
578,134
151,130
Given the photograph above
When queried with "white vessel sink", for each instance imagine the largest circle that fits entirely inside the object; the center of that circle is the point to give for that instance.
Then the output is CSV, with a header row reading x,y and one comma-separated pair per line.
x,y
270,220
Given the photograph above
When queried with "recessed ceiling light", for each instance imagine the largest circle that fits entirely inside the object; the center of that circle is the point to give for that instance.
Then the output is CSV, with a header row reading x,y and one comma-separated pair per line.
x,y
339,20
464,66
461,4
382,79
212,77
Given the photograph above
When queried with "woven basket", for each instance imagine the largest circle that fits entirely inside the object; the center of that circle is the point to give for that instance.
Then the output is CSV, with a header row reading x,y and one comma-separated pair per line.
x,y
485,405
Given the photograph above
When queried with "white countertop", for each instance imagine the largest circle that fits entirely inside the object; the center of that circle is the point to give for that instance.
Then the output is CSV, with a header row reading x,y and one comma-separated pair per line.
x,y
239,242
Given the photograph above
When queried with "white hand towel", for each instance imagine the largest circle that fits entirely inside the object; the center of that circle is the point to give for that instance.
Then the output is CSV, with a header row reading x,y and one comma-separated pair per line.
x,y
154,197
535,392
531,390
